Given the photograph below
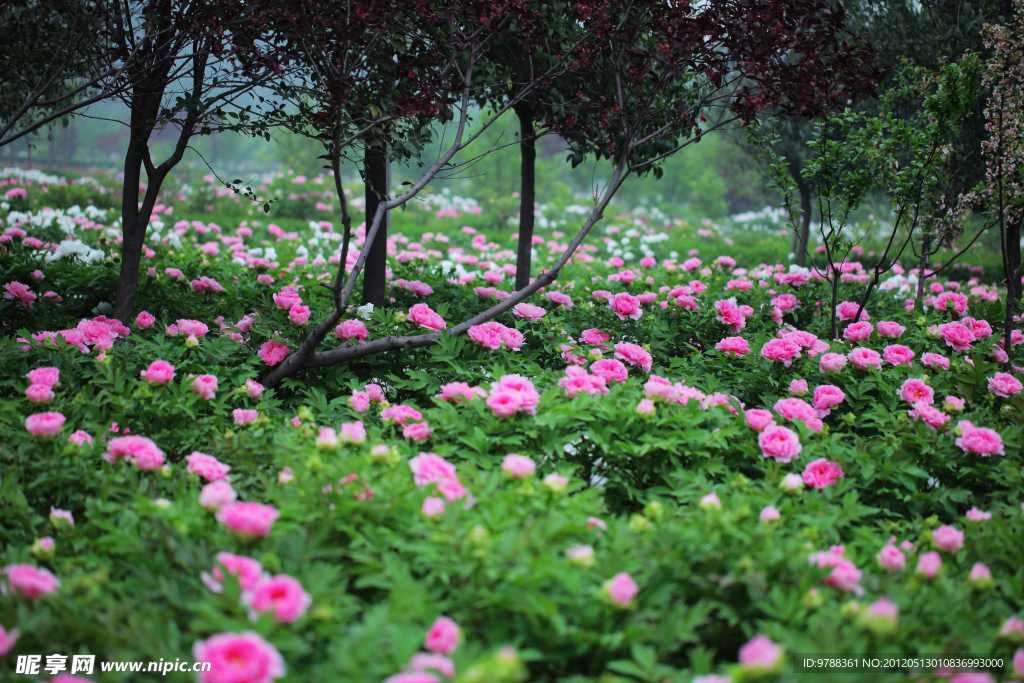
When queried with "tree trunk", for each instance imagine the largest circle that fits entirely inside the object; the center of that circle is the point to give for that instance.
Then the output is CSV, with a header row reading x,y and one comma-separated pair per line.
x,y
1013,258
834,330
527,193
805,221
133,237
377,171
135,219
926,245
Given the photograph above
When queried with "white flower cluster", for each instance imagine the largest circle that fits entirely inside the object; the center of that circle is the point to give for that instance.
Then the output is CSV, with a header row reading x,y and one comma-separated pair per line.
x,y
78,251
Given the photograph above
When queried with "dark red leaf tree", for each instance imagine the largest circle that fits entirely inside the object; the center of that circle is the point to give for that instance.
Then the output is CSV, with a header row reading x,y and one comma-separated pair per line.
x,y
654,77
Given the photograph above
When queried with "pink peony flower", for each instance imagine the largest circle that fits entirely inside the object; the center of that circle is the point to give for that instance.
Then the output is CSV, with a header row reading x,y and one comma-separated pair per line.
x,y
930,415
847,309
287,300
761,655
39,393
634,355
518,466
890,330
45,425
159,372
8,639
443,637
976,515
139,450
822,473
425,317
769,513
832,362
782,350
958,337
729,313
1012,629
953,302
794,409
625,306
248,520
251,388
826,397
897,354
432,506
734,345
422,662
1004,385
355,432
779,443
798,387
620,590
430,468
206,466
299,315
192,327
611,370
863,357
352,330
844,575
238,658
891,557
144,320
80,437
935,361
979,440
282,594
948,538
512,338
594,336
217,494
402,414
413,677
273,352
645,407
419,431
359,401
858,332
205,386
30,581
487,335
48,377
521,389
759,420
247,570
244,416
457,392
929,564
16,290
528,311
915,390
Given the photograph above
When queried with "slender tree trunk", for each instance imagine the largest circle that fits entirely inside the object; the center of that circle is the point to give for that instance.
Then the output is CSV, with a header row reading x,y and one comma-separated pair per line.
x,y
1013,257
527,193
926,245
805,222
374,280
132,235
135,219
835,305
